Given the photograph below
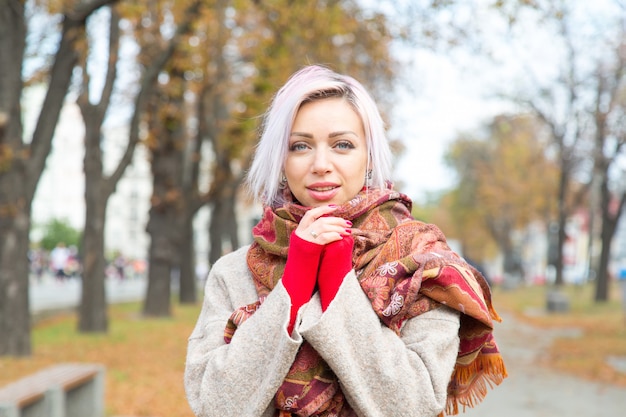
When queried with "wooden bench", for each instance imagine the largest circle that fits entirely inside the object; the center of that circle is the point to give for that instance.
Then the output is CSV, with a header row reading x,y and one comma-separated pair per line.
x,y
64,390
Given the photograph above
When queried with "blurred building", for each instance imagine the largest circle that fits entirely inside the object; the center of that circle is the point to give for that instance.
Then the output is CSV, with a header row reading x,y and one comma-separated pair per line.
x,y
128,207
60,192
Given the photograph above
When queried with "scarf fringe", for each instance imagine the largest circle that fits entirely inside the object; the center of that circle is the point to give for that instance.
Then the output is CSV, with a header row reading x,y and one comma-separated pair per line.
x,y
494,313
475,379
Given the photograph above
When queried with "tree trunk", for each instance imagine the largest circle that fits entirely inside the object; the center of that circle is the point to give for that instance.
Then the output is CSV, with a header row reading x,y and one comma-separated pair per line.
x,y
163,228
603,278
168,207
93,306
233,229
223,220
609,225
562,221
187,291
21,165
157,303
218,226
14,288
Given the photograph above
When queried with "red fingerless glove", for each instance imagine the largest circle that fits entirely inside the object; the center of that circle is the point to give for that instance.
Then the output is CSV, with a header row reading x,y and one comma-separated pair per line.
x,y
335,264
300,273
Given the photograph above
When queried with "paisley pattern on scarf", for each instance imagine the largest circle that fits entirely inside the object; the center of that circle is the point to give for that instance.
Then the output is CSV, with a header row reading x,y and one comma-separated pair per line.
x,y
405,268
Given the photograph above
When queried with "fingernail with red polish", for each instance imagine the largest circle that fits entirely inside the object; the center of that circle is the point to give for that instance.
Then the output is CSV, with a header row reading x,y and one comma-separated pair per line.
x,y
348,230
332,205
349,223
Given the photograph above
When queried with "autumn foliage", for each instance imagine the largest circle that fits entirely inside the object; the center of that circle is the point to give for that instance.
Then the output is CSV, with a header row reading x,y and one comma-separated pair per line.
x,y
144,358
506,181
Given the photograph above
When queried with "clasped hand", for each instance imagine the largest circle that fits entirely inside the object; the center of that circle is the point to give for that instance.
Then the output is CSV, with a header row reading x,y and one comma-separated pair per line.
x,y
317,226
320,252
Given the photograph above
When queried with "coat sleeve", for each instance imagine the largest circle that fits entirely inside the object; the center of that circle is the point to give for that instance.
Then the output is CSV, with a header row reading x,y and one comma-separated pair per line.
x,y
380,373
239,378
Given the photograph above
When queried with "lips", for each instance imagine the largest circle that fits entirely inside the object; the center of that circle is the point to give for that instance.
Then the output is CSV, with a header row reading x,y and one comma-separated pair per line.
x,y
323,192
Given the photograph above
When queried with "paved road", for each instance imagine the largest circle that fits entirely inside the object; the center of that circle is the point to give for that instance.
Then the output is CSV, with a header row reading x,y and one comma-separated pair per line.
x,y
532,391
50,294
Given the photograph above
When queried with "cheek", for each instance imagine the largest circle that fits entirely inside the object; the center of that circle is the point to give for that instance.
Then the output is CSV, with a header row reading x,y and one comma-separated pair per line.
x,y
357,177
291,169
361,171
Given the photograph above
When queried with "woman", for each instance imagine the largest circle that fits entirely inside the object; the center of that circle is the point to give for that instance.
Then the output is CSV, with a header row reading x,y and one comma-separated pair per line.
x,y
344,305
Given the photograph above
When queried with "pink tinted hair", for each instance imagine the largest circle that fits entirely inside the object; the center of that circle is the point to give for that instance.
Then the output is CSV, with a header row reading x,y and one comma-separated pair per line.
x,y
313,83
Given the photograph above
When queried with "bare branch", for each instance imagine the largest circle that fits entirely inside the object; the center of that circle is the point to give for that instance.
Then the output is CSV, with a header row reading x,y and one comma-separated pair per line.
x,y
147,86
60,76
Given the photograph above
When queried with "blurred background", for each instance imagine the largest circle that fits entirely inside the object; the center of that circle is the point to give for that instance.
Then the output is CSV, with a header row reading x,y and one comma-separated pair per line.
x,y
126,129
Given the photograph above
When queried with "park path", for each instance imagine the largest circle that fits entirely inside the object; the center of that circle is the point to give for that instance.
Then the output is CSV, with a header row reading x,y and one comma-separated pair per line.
x,y
531,390
50,294
535,391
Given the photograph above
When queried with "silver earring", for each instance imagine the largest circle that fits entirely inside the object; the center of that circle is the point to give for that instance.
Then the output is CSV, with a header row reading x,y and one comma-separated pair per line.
x,y
283,182
368,175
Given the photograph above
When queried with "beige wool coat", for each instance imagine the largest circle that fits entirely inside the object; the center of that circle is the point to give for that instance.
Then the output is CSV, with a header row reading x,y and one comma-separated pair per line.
x,y
381,374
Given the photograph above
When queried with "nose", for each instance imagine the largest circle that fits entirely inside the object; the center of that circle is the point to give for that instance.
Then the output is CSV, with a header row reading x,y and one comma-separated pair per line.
x,y
322,163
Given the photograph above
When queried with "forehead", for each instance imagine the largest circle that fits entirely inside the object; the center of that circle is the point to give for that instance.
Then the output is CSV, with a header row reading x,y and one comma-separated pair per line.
x,y
334,110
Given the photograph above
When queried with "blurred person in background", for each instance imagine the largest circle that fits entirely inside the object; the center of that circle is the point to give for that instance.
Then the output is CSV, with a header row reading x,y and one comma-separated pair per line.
x,y
59,258
344,304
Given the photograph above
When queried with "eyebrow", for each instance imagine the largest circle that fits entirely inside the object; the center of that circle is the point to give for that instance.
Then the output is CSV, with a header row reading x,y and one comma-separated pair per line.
x,y
332,135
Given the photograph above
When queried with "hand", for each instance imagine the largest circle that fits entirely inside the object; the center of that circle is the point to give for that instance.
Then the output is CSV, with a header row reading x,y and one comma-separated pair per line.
x,y
335,264
317,226
300,274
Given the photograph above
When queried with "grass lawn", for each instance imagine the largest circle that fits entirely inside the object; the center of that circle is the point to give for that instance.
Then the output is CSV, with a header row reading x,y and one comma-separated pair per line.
x,y
602,328
144,358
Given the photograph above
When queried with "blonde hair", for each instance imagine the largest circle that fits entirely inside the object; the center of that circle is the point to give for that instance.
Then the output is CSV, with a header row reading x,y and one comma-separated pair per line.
x,y
312,83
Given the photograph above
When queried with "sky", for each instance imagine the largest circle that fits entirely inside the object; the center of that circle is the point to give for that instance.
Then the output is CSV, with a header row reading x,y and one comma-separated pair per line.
x,y
446,102
446,96
454,92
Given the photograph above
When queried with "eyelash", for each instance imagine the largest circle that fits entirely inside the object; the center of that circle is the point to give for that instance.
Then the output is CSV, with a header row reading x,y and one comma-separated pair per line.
x,y
342,145
297,147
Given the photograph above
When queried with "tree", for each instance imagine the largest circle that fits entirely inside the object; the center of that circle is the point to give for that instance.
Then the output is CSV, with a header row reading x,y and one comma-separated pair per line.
x,y
166,140
213,92
166,146
57,231
609,114
560,99
99,187
205,79
22,160
291,34
506,181
592,80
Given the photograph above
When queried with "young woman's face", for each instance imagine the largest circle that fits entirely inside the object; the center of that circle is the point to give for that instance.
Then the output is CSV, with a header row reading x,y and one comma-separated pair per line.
x,y
327,153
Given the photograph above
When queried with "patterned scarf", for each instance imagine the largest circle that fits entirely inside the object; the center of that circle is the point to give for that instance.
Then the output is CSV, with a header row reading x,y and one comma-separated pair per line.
x,y
406,269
